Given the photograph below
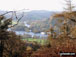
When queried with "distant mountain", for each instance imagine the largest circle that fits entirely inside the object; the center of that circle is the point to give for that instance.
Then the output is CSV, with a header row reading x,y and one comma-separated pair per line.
x,y
1,12
37,15
32,15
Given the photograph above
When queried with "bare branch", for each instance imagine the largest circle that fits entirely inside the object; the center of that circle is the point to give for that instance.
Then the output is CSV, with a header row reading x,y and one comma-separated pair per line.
x,y
18,19
73,20
6,13
9,23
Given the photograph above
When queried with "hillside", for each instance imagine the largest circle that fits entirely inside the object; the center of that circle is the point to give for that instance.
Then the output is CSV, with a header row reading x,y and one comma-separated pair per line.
x,y
39,20
37,15
32,15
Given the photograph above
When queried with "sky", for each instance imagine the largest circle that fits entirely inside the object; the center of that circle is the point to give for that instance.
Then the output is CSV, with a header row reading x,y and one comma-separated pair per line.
x,y
51,5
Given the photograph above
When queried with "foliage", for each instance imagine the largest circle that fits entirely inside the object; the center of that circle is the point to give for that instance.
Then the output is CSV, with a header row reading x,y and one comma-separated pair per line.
x,y
36,26
4,23
63,44
65,40
10,43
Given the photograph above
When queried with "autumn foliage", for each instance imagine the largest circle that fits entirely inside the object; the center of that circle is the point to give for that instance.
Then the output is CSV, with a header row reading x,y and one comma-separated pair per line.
x,y
13,46
63,42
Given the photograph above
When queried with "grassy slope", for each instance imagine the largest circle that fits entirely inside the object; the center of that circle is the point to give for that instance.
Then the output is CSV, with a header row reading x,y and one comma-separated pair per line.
x,y
40,41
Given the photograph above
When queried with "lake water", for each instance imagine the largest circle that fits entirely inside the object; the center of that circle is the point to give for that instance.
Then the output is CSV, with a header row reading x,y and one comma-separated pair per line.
x,y
31,33
42,34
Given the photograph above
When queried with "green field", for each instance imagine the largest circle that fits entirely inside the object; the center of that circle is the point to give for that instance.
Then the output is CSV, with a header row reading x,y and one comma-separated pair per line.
x,y
14,22
39,41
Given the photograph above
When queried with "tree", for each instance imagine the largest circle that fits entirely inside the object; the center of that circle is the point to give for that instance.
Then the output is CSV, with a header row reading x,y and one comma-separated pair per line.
x,y
70,14
70,7
69,18
13,45
7,23
4,34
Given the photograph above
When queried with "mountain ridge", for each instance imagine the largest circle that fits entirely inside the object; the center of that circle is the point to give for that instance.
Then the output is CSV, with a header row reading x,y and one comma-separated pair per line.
x,y
32,15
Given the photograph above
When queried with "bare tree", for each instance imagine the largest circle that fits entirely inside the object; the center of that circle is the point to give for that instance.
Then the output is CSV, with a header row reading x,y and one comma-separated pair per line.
x,y
70,7
7,23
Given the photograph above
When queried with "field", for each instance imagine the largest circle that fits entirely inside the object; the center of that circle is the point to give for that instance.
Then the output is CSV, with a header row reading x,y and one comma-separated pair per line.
x,y
39,41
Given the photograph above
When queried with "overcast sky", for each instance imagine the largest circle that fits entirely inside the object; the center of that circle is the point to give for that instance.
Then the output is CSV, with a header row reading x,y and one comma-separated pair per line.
x,y
52,5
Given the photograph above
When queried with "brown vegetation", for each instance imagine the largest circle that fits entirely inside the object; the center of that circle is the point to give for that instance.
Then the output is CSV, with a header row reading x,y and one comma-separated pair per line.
x,y
65,41
64,44
13,46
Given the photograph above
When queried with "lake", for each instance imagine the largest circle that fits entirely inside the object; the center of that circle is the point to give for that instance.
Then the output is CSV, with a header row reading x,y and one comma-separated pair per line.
x,y
31,33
